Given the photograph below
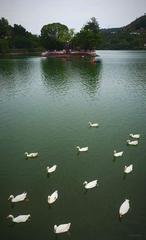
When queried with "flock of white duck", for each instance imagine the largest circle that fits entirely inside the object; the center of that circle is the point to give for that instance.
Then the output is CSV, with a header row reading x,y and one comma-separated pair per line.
x,y
124,208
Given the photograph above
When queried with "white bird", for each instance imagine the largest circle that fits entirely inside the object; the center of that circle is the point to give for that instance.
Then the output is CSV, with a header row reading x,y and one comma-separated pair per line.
x,y
20,218
83,149
137,136
62,228
124,208
90,184
128,169
31,155
117,154
135,142
51,169
53,197
18,198
93,124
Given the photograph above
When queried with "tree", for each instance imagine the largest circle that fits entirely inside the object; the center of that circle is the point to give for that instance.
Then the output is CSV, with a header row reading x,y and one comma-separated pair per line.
x,y
4,28
88,37
22,39
19,30
92,26
55,36
4,47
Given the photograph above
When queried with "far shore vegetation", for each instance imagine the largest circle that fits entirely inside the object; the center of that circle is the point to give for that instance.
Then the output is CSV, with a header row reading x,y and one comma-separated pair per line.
x,y
56,36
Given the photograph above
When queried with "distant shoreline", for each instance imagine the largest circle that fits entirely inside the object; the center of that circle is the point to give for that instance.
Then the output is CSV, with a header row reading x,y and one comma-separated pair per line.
x,y
21,54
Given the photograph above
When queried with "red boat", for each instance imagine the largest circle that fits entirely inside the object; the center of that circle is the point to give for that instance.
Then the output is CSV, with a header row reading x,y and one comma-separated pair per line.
x,y
65,54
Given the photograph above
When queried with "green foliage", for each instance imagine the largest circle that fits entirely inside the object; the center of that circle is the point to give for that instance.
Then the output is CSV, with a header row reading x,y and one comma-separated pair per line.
x,y
4,47
58,36
132,36
55,36
23,39
92,26
122,40
89,37
19,30
16,38
5,28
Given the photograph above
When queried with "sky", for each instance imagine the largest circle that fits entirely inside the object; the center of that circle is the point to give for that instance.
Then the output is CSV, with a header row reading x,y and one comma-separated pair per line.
x,y
34,14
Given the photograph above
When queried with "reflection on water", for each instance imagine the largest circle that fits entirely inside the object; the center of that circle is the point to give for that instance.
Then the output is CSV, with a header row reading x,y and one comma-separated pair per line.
x,y
55,74
54,68
60,74
17,74
7,74
45,107
89,74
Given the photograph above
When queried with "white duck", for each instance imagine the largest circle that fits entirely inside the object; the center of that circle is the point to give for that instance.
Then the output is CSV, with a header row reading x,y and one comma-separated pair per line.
x,y
128,169
93,124
83,149
20,218
31,155
18,198
137,136
124,208
53,197
62,228
135,142
51,169
90,184
117,154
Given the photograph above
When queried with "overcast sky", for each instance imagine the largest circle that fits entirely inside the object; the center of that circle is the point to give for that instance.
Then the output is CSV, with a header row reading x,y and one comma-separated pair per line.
x,y
33,14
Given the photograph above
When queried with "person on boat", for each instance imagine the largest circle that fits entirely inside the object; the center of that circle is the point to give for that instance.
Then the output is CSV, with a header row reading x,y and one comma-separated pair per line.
x,y
67,47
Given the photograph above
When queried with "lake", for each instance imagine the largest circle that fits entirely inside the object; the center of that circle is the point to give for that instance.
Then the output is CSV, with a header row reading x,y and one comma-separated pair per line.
x,y
45,107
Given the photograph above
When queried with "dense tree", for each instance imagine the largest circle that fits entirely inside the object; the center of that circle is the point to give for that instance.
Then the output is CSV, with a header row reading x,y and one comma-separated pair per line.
x,y
88,37
19,30
4,46
5,28
58,36
55,35
92,26
5,32
122,40
16,37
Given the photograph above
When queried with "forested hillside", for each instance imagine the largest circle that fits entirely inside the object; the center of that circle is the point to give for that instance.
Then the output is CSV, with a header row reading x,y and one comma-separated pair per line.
x,y
16,39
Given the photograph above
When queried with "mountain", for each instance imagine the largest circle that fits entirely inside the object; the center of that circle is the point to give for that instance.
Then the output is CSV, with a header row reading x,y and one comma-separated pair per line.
x,y
129,37
138,25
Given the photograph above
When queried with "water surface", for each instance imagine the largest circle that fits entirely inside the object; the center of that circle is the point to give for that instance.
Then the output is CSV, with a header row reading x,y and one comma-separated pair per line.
x,y
45,107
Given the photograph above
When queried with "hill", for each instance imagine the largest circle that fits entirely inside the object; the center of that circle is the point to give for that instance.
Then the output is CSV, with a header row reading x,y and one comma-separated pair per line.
x,y
138,25
129,37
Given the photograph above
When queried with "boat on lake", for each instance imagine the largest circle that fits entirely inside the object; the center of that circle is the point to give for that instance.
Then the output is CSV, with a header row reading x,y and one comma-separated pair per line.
x,y
68,54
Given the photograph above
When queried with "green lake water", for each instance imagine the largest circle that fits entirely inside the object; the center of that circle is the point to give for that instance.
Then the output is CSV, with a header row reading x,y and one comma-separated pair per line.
x,y
45,107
